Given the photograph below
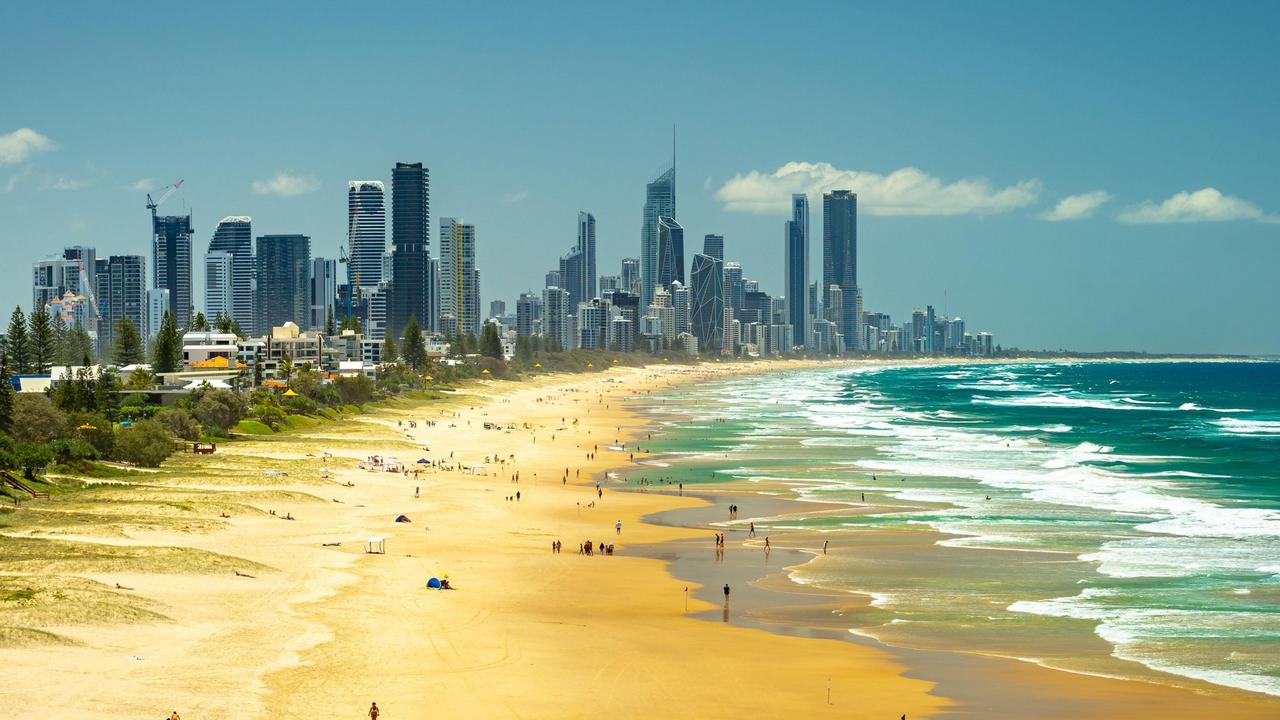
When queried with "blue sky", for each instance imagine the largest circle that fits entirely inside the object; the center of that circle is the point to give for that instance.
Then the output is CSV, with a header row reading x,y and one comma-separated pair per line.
x,y
962,126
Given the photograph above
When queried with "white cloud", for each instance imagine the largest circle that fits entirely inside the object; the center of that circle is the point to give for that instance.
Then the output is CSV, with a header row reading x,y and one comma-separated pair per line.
x,y
285,184
65,183
143,185
1076,207
907,191
1204,205
515,197
17,146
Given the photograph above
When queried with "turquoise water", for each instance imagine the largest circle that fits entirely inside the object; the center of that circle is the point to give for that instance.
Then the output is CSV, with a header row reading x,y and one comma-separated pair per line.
x,y
1118,518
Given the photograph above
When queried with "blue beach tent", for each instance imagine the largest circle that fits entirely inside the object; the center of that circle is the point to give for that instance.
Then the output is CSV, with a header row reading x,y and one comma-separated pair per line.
x,y
434,583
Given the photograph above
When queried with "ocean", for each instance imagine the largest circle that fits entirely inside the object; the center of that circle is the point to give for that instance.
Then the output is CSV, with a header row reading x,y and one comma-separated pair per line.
x,y
1118,518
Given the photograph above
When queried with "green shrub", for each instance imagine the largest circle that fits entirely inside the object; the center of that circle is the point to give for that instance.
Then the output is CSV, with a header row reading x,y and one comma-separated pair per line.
x,y
146,443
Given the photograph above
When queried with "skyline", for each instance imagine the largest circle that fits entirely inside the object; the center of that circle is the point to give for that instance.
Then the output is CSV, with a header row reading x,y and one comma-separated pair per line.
x,y
978,223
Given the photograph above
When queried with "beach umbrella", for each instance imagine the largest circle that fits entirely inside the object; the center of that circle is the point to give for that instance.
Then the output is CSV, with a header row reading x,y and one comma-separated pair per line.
x,y
423,461
537,365
591,365
484,372
428,378
290,393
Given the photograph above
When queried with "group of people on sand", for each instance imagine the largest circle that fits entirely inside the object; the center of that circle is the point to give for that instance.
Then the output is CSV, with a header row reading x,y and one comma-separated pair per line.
x,y
591,548
733,512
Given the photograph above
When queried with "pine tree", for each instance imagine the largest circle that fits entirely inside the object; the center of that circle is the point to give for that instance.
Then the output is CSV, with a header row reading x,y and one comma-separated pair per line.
x,y
17,347
42,340
60,331
128,345
6,398
490,343
329,329
222,322
167,347
389,349
77,346
414,351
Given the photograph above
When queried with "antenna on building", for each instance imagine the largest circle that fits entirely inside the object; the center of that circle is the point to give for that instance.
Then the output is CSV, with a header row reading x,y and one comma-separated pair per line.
x,y
673,167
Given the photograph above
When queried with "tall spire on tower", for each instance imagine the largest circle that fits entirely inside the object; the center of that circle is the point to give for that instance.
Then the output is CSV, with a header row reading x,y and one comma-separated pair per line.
x,y
673,168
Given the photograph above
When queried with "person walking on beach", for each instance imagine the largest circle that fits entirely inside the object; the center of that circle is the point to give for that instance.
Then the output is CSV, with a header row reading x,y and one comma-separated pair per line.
x,y
824,547
766,543
374,712
752,533
618,527
726,593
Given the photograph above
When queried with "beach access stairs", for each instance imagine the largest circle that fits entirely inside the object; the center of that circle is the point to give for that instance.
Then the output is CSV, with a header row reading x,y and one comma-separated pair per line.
x,y
12,481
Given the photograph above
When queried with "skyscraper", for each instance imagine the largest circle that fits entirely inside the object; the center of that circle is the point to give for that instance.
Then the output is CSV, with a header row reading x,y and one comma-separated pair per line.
x,y
557,318
572,277
713,245
459,281
323,295
734,288
528,311
707,298
232,294
80,277
587,244
631,275
797,267
283,280
659,201
840,257
670,251
171,263
121,286
366,233
410,295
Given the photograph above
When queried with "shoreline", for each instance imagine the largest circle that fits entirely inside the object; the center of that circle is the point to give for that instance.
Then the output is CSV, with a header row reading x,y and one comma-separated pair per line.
x,y
322,630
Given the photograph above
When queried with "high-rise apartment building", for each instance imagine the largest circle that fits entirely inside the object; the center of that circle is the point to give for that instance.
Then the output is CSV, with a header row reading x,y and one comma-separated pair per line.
x,y
459,279
670,251
410,292
234,296
528,312
121,286
659,201
840,256
171,262
323,293
797,268
707,298
558,318
587,244
366,233
283,280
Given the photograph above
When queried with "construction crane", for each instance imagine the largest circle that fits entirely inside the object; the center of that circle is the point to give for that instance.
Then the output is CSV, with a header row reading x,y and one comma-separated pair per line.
x,y
168,191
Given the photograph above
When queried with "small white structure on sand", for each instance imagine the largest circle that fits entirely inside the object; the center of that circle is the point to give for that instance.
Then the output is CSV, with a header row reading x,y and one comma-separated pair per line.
x,y
375,545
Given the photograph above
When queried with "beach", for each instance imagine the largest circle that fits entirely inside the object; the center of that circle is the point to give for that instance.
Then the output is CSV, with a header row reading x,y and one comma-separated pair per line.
x,y
133,602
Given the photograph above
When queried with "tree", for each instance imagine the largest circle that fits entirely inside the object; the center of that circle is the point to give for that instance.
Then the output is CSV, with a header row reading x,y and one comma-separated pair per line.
x,y
128,344
490,343
6,397
179,423
76,347
105,387
284,368
35,419
352,323
329,328
167,346
199,323
17,348
219,410
32,458
414,351
389,349
146,444
42,340
354,390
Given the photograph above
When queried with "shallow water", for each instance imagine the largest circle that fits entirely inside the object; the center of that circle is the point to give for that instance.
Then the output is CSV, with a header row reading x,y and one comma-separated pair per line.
x,y
1114,518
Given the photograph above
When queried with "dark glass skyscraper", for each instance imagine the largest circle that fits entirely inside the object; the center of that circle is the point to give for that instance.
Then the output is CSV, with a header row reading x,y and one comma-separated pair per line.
x,y
670,251
171,262
283,280
797,268
713,245
707,303
410,238
587,244
840,256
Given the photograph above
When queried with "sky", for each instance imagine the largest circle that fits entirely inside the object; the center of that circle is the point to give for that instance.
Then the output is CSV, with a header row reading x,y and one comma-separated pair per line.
x,y
1090,176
